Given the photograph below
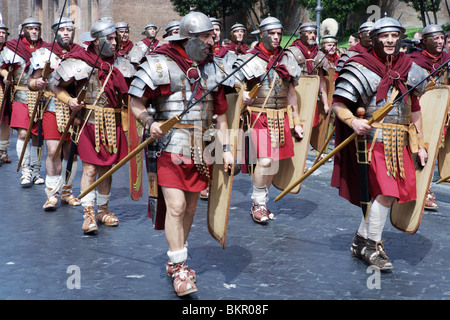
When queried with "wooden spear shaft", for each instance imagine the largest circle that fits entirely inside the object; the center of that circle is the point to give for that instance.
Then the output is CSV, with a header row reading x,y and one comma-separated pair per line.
x,y
166,126
378,115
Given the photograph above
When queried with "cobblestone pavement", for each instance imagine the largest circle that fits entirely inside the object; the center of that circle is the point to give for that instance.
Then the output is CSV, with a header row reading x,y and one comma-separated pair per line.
x,y
303,254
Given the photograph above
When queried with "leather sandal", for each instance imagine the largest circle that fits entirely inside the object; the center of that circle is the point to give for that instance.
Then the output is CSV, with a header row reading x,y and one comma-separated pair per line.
x,y
68,197
182,283
89,224
50,204
106,217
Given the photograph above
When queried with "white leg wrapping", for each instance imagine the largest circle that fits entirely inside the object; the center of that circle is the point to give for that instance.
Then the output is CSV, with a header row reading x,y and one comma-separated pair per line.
x,y
35,162
4,145
53,184
178,256
73,173
259,195
103,199
363,229
88,200
377,219
26,156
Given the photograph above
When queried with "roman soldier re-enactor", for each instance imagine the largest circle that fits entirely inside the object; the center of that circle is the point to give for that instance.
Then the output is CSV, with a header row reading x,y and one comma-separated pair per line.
x,y
272,113
172,28
55,115
29,41
312,61
364,44
329,47
102,142
238,36
168,79
368,80
432,56
146,46
6,111
125,44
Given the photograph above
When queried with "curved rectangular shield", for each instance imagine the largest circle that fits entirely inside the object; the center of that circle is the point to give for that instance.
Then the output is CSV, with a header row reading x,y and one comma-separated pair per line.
x,y
435,102
320,131
444,155
291,169
221,182
135,133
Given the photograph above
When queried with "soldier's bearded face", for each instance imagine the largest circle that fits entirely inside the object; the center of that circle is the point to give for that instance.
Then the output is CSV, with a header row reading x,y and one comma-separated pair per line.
x,y
310,37
66,35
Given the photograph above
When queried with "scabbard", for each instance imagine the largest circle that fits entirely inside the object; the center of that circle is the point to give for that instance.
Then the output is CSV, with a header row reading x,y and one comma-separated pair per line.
x,y
72,151
363,166
152,180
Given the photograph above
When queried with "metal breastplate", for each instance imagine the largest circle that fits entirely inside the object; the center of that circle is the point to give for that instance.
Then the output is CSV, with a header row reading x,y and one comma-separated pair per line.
x,y
319,61
20,77
93,91
179,141
400,114
277,95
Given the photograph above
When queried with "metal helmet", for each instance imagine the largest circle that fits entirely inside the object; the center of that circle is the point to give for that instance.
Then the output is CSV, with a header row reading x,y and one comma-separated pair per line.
x,y
428,42
308,26
31,22
366,26
386,24
329,39
195,23
122,25
65,22
216,22
173,25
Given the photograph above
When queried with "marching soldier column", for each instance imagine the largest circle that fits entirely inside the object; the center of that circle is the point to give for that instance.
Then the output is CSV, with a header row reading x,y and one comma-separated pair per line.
x,y
5,106
171,79
271,113
431,57
178,92
102,142
14,68
56,114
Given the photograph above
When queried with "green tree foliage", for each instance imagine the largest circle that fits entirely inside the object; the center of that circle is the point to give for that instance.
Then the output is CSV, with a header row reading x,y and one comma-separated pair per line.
x,y
212,8
424,7
336,9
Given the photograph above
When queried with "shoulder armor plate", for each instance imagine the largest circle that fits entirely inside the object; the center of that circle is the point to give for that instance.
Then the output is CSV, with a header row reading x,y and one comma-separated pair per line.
x,y
73,68
40,57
